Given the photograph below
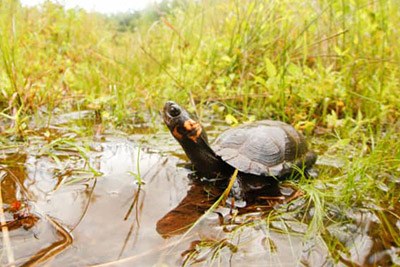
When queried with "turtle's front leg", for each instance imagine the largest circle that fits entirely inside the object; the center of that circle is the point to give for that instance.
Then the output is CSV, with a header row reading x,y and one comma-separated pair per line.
x,y
237,195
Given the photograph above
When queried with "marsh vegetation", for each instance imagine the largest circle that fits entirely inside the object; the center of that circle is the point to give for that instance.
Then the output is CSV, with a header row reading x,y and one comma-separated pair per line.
x,y
81,92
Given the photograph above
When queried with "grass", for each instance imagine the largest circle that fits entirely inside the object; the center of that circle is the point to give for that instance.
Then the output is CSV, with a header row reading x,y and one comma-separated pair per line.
x,y
138,177
300,63
331,68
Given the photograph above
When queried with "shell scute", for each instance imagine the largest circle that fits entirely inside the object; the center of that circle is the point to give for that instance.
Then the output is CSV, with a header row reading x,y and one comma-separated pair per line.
x,y
268,148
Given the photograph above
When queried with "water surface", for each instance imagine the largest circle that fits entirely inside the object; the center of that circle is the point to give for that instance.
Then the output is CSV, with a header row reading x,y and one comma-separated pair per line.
x,y
64,207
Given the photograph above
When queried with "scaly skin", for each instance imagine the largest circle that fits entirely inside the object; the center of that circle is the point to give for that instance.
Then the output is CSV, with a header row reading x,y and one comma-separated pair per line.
x,y
194,141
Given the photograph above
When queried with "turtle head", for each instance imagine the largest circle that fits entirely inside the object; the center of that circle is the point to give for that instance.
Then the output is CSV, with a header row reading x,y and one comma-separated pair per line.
x,y
181,125
193,139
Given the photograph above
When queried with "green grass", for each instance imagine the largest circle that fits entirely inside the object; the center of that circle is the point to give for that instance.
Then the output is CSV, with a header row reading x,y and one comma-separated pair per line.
x,y
303,63
331,68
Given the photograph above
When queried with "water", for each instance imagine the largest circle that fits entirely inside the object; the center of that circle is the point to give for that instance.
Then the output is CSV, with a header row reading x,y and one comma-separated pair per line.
x,y
65,208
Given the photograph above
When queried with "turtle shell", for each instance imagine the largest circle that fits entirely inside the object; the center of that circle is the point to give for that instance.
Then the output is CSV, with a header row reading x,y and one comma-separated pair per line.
x,y
267,148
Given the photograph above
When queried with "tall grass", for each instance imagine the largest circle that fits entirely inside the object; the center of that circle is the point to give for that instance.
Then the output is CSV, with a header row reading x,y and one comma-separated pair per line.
x,y
300,62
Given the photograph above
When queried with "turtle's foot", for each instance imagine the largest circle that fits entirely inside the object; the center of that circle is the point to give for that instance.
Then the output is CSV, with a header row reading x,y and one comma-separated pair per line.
x,y
236,203
236,196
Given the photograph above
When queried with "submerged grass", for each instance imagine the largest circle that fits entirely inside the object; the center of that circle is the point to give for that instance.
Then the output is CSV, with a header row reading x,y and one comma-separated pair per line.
x,y
331,68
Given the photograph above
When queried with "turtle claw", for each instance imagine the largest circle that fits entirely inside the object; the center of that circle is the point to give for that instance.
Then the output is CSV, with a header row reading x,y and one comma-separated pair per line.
x,y
236,203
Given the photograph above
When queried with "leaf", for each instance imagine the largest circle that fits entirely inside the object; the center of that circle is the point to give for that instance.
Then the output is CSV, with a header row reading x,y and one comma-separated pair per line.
x,y
226,58
339,52
271,70
231,120
259,80
294,70
333,121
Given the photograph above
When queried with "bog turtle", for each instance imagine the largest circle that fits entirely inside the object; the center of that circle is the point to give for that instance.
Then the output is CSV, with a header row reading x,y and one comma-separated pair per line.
x,y
262,149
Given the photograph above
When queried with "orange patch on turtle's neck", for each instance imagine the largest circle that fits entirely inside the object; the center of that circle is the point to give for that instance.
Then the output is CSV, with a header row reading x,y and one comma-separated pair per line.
x,y
194,128
176,133
190,125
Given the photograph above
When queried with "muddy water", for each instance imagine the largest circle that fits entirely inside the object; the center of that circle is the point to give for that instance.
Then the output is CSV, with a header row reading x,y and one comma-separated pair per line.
x,y
69,215
93,211
66,209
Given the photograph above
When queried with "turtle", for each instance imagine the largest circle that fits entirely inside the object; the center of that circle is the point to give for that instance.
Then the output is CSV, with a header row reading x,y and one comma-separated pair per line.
x,y
262,151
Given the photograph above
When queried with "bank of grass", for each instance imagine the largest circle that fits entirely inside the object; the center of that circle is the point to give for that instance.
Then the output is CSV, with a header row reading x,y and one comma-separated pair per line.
x,y
331,68
307,63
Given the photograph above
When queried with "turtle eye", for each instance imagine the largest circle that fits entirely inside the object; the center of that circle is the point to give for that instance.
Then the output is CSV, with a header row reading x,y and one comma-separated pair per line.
x,y
174,111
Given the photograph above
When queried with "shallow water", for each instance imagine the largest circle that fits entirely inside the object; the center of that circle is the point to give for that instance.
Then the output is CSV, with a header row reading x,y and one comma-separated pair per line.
x,y
64,209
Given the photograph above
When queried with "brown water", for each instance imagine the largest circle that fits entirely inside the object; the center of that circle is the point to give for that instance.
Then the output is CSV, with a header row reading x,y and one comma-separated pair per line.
x,y
64,210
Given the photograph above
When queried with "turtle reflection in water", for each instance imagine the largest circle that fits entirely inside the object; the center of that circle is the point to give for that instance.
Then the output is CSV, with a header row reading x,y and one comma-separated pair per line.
x,y
263,152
